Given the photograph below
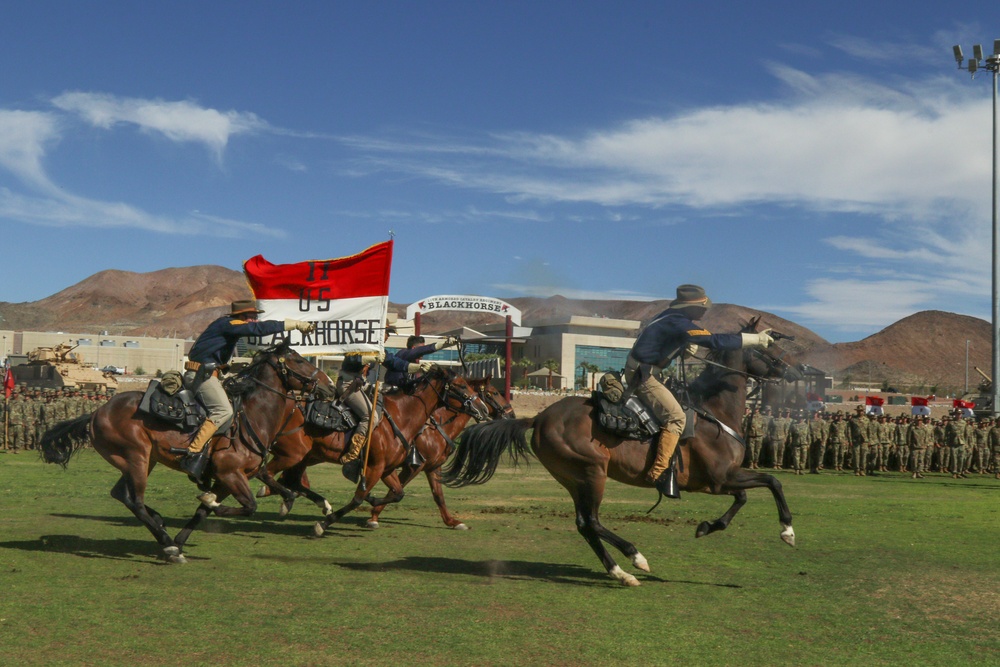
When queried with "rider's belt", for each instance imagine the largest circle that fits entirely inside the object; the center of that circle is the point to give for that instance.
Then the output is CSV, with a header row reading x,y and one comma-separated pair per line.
x,y
195,365
645,371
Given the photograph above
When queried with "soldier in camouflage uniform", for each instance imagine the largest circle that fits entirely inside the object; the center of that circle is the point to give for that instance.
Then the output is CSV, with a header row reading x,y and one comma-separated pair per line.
x,y
943,452
17,408
778,435
798,441
754,429
858,428
994,442
919,437
901,443
818,432
954,440
836,440
978,460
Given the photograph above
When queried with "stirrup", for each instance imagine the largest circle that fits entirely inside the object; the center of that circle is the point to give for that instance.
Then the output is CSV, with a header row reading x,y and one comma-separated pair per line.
x,y
667,482
195,465
352,469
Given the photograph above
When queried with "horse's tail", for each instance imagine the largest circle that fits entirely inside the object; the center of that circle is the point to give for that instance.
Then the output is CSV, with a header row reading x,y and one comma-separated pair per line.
x,y
61,441
480,448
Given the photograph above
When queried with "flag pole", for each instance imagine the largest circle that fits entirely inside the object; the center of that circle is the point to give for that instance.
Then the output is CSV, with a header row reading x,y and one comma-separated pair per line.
x,y
371,427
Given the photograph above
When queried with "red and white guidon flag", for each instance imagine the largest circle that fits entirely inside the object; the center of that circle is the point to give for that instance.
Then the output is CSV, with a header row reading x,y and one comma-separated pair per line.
x,y
347,298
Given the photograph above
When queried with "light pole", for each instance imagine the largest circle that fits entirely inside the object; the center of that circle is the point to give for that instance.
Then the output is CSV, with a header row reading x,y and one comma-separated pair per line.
x,y
990,64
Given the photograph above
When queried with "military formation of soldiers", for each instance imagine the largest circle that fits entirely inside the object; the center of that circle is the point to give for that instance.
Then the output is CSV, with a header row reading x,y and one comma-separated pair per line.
x,y
866,443
31,411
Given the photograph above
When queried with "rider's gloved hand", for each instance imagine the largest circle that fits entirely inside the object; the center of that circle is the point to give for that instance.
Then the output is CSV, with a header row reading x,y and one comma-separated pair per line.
x,y
450,341
762,339
299,325
691,350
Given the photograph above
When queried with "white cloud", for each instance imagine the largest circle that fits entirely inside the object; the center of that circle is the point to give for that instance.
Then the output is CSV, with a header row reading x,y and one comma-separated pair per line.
x,y
911,156
24,136
178,121
72,211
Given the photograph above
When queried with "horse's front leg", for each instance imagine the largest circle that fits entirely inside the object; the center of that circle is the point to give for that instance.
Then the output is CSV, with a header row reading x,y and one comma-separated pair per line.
x,y
395,484
372,474
741,480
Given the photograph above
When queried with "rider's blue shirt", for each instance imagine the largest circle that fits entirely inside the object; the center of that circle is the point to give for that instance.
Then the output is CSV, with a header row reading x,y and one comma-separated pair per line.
x,y
397,374
670,332
218,342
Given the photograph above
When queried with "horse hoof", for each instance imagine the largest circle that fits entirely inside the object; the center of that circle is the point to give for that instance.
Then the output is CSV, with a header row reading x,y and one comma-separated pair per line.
x,y
172,550
326,507
262,492
788,536
208,499
371,524
318,529
639,562
179,559
459,526
704,528
284,509
623,577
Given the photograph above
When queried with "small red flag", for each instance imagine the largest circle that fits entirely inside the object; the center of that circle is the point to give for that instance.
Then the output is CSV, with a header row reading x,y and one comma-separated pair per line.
x,y
8,380
918,400
874,400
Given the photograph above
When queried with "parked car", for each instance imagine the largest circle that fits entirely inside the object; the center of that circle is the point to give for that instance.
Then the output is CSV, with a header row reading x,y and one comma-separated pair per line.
x,y
114,370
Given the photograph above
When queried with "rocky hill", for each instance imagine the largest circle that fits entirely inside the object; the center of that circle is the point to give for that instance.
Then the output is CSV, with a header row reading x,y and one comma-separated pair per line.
x,y
923,351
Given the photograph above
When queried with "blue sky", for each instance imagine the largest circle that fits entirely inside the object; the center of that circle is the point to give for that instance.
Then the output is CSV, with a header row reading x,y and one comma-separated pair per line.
x,y
826,162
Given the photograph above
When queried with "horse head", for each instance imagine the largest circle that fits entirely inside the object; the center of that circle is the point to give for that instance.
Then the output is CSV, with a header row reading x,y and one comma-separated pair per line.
x,y
295,372
455,393
498,405
772,363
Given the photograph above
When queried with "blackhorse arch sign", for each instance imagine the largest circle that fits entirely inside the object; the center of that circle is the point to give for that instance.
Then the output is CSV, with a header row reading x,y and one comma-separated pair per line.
x,y
471,304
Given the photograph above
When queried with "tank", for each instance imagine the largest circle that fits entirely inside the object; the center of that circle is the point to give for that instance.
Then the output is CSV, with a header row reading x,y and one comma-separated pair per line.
x,y
57,368
982,398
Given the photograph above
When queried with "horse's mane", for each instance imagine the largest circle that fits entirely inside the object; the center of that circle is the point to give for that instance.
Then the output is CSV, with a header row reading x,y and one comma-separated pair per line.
x,y
712,380
243,383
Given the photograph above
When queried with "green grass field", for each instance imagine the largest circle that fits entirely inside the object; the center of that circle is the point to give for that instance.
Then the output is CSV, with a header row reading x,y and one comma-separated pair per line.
x,y
887,571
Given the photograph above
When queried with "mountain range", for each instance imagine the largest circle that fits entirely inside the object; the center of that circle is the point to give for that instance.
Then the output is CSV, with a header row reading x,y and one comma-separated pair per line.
x,y
926,351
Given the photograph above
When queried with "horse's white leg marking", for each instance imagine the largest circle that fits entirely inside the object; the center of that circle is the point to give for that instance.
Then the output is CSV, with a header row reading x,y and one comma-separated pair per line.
x,y
325,506
208,500
639,561
459,526
318,529
371,524
623,577
174,554
788,535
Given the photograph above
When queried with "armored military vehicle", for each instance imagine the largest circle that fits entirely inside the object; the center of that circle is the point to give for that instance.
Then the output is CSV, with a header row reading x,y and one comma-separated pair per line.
x,y
982,397
57,367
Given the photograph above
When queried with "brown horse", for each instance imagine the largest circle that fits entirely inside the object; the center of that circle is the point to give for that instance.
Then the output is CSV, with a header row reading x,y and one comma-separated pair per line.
x,y
434,443
298,448
581,456
134,442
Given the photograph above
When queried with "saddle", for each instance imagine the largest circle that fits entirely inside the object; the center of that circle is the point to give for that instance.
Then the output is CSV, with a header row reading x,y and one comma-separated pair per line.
x,y
333,415
167,399
621,413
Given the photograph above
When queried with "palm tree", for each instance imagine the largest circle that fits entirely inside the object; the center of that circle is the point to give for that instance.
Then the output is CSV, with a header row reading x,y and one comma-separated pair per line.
x,y
553,366
523,363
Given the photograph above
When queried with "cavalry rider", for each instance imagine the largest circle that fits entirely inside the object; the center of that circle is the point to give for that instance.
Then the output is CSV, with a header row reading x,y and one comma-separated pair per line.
x,y
671,333
351,384
212,350
403,364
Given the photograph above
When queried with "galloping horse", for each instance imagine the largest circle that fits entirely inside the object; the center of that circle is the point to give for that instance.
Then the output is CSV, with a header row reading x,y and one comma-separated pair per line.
x,y
433,442
298,448
134,442
581,456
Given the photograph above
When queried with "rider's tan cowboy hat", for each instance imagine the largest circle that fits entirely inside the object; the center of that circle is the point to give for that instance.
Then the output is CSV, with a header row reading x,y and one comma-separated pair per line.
x,y
244,307
691,296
